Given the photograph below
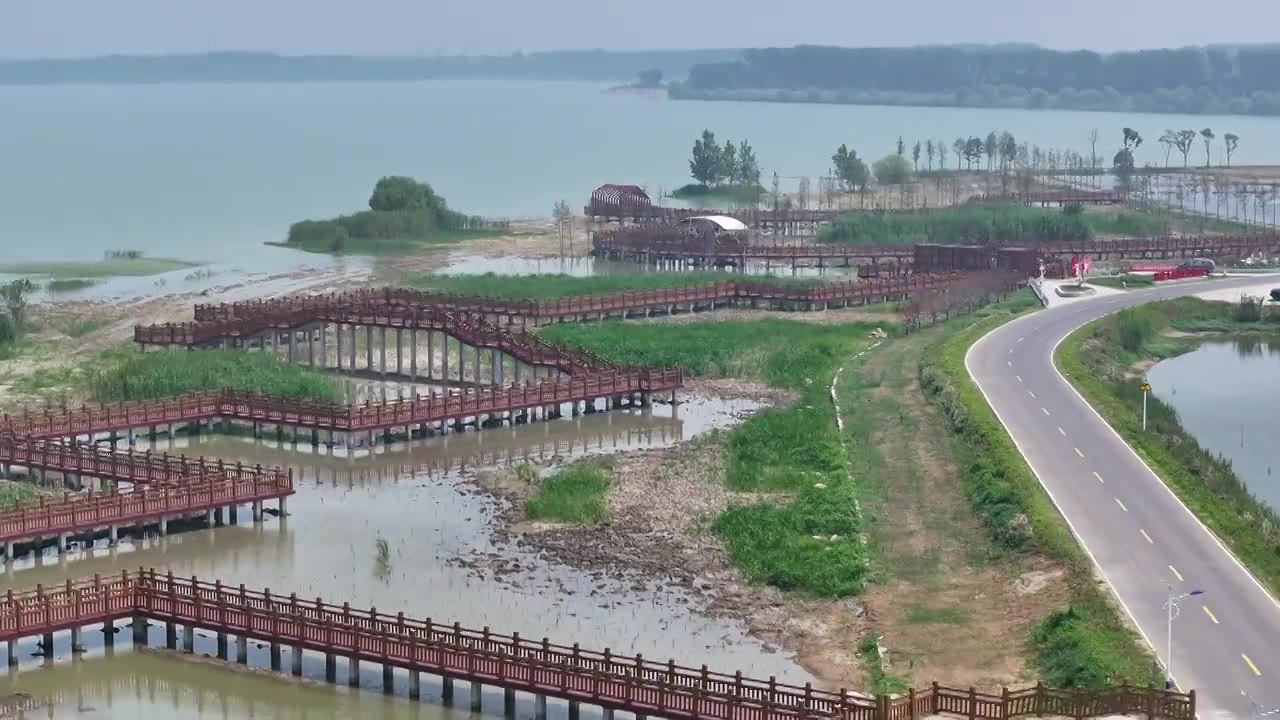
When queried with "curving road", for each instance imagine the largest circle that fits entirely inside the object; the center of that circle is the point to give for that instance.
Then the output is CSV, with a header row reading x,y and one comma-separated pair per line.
x,y
1142,538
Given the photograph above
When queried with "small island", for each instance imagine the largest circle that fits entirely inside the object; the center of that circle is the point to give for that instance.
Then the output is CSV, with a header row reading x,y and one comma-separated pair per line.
x,y
403,214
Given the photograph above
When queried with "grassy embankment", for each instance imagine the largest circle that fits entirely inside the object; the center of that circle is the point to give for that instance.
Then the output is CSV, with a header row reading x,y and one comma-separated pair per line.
x,y
122,374
1009,223
556,286
1101,359
806,540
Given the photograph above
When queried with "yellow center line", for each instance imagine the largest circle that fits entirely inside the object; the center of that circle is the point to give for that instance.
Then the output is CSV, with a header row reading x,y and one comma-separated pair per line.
x,y
1095,474
1122,507
1079,453
1145,535
1249,662
1176,573
1212,617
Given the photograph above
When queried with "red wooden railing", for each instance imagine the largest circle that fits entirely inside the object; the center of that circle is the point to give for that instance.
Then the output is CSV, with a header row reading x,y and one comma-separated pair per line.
x,y
76,513
372,415
433,309
510,661
1179,274
127,465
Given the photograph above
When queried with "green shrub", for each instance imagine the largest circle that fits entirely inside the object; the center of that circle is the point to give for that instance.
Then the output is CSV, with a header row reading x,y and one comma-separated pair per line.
x,y
1247,309
1134,327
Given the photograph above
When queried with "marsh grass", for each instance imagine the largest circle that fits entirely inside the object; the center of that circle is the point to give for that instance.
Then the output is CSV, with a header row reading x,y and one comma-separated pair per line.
x,y
125,375
576,494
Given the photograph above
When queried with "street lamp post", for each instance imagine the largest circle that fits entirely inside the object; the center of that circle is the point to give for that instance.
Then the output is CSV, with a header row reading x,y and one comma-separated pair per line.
x,y
1171,612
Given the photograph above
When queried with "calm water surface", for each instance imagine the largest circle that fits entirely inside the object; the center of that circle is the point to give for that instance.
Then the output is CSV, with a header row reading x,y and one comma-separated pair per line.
x,y
414,495
1226,395
209,172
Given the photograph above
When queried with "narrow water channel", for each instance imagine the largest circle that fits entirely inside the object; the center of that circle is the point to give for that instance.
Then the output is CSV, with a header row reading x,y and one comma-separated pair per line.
x,y
1227,395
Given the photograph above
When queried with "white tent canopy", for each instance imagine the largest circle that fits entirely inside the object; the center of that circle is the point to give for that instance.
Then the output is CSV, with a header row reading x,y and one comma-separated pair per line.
x,y
724,222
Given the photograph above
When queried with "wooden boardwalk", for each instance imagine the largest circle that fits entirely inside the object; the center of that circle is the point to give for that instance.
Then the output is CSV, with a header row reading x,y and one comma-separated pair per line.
x,y
370,416
216,322
75,515
482,657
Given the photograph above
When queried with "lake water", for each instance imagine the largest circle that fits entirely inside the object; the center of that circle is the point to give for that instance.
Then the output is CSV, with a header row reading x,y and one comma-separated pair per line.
x,y
1226,394
210,172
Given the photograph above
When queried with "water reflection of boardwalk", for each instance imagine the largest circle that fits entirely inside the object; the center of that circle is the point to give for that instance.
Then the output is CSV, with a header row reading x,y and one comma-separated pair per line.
x,y
543,443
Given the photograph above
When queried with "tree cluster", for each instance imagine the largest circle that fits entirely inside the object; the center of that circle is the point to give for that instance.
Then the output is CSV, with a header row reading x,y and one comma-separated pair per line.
x,y
15,296
970,292
1184,141
399,208
714,165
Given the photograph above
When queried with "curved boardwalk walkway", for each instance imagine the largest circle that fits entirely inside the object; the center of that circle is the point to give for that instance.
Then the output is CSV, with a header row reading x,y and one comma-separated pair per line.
x,y
513,663
214,322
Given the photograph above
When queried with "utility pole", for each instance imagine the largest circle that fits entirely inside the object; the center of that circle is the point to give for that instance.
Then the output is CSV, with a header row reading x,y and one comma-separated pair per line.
x,y
1146,390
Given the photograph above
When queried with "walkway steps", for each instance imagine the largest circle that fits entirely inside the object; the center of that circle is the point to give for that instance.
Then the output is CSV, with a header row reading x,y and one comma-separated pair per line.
x,y
546,669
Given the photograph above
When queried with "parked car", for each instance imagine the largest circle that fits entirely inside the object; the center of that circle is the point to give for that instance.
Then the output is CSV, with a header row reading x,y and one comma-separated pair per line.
x,y
1198,264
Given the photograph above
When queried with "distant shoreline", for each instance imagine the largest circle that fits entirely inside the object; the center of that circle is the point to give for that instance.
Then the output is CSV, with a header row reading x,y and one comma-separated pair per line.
x,y
1131,104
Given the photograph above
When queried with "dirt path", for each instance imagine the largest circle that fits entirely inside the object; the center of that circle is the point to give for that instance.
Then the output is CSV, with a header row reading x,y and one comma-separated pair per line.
x,y
947,602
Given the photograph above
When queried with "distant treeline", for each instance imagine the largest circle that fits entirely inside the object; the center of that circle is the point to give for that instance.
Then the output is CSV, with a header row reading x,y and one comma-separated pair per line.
x,y
593,65
1236,80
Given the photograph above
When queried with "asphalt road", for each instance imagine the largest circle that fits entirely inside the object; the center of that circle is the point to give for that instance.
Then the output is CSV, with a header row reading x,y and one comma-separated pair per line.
x,y
1138,533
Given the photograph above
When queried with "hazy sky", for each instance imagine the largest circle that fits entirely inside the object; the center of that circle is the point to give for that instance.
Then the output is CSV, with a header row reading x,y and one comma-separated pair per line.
x,y
70,28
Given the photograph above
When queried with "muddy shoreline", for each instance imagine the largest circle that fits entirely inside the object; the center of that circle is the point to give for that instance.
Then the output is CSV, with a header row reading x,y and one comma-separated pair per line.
x,y
661,504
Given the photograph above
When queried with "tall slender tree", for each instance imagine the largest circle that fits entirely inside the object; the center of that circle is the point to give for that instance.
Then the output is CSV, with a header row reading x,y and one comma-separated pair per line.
x,y
928,153
991,145
1208,136
915,156
1169,139
958,146
1231,141
902,147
